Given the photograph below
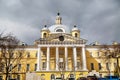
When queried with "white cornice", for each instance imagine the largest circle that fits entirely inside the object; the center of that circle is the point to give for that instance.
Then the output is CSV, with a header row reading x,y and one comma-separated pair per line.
x,y
62,45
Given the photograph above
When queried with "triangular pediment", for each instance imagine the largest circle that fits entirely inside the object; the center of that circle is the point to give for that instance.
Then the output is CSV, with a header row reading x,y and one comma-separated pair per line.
x,y
67,38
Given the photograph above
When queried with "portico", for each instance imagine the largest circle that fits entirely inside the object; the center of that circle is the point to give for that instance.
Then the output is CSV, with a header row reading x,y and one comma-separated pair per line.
x,y
65,57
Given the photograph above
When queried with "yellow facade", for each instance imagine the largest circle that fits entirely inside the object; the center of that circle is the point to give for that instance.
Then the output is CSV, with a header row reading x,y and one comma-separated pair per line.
x,y
81,60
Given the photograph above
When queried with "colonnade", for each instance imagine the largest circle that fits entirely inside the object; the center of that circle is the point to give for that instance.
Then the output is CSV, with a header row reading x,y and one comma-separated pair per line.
x,y
74,48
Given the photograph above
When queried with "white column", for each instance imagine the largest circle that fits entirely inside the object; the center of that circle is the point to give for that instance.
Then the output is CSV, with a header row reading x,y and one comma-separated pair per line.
x,y
39,59
66,58
84,67
48,58
75,57
57,58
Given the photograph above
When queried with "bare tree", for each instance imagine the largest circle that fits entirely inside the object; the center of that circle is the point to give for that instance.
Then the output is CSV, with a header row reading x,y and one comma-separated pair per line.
x,y
111,52
10,54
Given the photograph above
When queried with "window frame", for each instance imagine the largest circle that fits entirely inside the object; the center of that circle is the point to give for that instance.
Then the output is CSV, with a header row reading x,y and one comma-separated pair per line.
x,y
28,67
92,66
19,67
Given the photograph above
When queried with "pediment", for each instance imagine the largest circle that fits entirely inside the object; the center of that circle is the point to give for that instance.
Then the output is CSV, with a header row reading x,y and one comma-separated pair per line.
x,y
67,37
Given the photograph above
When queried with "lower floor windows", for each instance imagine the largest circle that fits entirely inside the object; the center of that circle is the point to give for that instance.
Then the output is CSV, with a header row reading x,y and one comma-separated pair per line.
x,y
71,75
99,65
28,67
78,65
61,65
115,65
19,67
107,66
35,67
92,66
18,77
52,76
44,65
1,77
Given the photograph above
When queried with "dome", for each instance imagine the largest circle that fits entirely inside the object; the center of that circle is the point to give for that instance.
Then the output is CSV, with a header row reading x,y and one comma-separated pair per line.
x,y
75,29
59,28
45,28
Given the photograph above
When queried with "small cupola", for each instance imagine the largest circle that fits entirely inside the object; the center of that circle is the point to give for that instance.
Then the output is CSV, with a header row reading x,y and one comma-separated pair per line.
x,y
75,28
115,43
45,32
58,20
45,28
76,32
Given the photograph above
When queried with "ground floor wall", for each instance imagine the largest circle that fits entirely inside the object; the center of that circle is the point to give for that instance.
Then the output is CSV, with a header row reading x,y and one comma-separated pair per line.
x,y
51,75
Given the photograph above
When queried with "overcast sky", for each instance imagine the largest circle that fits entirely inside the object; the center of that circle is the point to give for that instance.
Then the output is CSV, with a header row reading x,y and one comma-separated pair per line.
x,y
98,20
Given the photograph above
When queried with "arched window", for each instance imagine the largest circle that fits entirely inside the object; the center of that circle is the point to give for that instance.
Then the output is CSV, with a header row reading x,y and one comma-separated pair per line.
x,y
76,35
44,35
59,30
52,76
28,54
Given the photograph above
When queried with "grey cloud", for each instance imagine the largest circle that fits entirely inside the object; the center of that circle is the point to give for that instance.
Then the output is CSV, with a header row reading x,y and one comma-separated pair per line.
x,y
98,20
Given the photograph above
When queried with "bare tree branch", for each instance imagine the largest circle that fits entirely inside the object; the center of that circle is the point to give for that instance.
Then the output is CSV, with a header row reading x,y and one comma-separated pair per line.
x,y
9,53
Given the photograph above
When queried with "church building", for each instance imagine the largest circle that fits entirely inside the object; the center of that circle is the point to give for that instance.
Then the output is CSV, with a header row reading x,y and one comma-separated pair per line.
x,y
60,52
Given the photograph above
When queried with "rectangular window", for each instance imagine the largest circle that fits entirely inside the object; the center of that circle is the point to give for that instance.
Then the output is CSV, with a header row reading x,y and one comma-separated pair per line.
x,y
92,66
44,53
61,65
2,66
107,66
36,54
78,53
28,55
98,53
78,65
35,67
105,53
44,65
20,54
18,77
91,54
10,67
9,77
11,55
115,65
99,65
28,67
3,55
19,67
1,77
71,75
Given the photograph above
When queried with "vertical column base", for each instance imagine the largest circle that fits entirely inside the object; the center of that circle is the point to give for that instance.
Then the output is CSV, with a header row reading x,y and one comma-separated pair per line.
x,y
38,70
84,69
47,70
57,70
75,68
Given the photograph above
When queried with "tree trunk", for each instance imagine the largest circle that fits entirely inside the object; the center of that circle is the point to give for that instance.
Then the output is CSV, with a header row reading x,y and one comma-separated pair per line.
x,y
118,66
7,74
6,78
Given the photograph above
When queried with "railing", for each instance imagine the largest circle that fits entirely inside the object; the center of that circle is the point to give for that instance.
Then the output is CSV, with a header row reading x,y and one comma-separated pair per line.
x,y
61,42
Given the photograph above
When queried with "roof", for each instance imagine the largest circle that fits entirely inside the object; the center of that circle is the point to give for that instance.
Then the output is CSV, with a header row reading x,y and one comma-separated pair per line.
x,y
65,28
